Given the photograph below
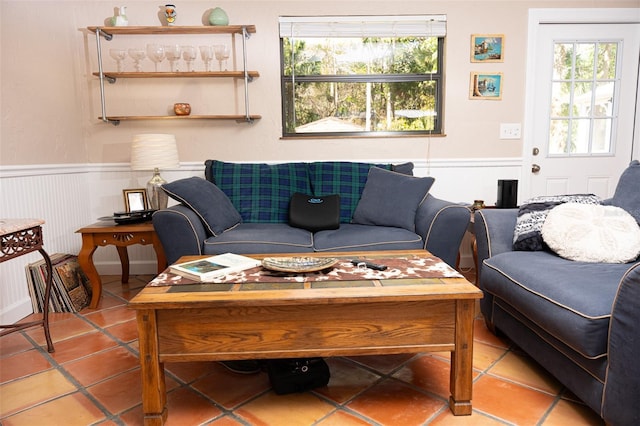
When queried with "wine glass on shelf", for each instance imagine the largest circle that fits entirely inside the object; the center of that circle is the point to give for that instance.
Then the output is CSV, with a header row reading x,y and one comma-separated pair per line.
x,y
119,56
155,52
137,55
206,53
172,52
189,55
222,54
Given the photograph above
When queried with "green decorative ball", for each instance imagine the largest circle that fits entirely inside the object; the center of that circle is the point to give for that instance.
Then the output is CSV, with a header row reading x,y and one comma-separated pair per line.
x,y
218,17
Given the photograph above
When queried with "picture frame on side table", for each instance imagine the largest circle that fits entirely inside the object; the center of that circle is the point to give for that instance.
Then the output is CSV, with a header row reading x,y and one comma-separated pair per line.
x,y
135,200
486,85
487,47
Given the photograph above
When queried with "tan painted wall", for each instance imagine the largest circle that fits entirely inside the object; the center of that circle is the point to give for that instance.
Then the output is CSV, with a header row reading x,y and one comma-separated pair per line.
x,y
50,102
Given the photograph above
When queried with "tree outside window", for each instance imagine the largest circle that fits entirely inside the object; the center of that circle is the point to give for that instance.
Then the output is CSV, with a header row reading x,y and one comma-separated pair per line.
x,y
340,83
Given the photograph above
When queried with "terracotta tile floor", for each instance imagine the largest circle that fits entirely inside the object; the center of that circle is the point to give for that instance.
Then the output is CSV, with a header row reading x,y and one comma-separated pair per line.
x,y
93,378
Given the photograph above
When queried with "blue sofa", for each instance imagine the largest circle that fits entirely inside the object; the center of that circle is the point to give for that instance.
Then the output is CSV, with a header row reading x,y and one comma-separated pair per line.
x,y
243,208
579,320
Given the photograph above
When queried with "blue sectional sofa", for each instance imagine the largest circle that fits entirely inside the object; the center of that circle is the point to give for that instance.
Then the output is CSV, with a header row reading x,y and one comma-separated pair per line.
x,y
579,320
243,208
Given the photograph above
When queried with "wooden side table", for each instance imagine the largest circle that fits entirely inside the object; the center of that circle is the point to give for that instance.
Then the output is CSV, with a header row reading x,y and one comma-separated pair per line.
x,y
108,233
19,237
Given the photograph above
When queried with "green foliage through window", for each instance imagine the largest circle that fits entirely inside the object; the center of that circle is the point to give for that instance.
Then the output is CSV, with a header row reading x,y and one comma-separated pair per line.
x,y
362,86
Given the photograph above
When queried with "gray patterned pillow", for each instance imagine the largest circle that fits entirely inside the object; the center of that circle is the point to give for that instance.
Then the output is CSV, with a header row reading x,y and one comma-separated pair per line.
x,y
527,235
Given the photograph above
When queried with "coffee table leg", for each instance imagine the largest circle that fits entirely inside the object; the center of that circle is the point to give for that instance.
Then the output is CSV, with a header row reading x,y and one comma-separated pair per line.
x,y
85,259
461,383
154,393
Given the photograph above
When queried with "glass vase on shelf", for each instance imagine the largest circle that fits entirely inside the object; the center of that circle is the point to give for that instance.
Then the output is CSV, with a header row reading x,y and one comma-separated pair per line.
x,y
155,52
172,52
222,54
206,53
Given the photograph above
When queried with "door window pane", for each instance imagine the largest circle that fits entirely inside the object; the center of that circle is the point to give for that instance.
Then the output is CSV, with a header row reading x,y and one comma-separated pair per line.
x,y
583,98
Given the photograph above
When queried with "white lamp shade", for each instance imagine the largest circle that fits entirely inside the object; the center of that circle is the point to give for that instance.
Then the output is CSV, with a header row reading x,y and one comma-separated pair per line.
x,y
154,150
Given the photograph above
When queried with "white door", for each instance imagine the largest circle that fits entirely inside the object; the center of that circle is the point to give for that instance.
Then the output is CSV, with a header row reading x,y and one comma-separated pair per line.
x,y
581,103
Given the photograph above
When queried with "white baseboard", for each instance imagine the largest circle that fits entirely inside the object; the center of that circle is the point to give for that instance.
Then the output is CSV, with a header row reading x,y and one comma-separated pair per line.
x,y
17,310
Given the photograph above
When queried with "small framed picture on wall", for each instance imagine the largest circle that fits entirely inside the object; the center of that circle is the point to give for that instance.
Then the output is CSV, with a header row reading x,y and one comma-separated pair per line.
x,y
135,200
486,85
487,48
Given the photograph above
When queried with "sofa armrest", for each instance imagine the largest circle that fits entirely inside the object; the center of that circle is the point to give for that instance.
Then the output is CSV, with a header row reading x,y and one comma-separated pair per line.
x,y
493,229
442,225
180,231
622,387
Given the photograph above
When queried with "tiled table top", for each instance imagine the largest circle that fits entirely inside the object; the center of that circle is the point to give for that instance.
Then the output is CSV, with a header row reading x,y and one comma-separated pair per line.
x,y
7,226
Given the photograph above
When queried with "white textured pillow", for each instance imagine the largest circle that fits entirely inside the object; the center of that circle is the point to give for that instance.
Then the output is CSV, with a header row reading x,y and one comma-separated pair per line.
x,y
592,233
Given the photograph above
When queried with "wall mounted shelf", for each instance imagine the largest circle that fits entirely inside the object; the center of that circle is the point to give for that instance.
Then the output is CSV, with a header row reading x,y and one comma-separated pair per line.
x,y
246,75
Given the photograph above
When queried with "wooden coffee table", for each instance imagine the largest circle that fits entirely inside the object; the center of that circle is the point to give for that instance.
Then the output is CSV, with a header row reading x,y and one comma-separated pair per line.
x,y
366,317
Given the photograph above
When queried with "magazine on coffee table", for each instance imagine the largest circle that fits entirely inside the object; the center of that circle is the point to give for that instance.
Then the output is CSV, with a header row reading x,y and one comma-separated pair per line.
x,y
206,269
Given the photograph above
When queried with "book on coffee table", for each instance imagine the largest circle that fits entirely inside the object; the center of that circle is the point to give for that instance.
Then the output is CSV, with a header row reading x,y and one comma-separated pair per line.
x,y
205,269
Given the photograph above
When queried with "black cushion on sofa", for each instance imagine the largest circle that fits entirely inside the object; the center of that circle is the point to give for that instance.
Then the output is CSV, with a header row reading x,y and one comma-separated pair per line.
x,y
391,199
212,205
314,213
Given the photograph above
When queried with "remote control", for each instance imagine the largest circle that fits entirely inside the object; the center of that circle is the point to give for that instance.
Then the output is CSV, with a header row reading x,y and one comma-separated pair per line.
x,y
369,265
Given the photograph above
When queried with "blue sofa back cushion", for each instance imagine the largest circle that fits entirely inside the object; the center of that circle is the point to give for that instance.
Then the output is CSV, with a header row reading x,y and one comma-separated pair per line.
x,y
627,195
341,177
259,191
212,205
391,199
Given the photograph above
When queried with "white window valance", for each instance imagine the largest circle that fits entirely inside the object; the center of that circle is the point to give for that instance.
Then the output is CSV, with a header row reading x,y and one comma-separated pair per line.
x,y
363,26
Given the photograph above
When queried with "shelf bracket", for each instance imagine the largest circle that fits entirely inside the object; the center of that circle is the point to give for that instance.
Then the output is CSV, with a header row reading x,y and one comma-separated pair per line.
x,y
245,33
104,34
100,33
245,120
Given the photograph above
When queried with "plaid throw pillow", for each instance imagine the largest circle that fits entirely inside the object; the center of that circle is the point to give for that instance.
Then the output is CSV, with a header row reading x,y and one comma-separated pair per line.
x,y
344,178
260,192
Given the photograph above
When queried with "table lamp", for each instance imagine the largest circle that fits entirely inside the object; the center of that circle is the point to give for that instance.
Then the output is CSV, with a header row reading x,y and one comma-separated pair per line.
x,y
154,152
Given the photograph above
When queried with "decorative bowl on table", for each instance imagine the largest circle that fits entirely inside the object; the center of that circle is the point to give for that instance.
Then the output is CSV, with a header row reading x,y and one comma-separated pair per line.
x,y
298,264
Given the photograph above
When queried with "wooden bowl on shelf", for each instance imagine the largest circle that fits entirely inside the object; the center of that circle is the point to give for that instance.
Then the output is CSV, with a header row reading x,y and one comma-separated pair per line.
x,y
182,108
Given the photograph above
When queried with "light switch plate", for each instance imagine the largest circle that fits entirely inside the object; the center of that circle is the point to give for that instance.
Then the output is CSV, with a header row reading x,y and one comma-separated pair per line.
x,y
510,130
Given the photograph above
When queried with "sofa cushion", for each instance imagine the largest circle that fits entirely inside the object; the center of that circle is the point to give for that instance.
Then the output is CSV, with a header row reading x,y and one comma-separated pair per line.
x,y
260,191
570,300
211,204
366,237
627,195
248,238
341,177
532,214
391,199
590,233
404,168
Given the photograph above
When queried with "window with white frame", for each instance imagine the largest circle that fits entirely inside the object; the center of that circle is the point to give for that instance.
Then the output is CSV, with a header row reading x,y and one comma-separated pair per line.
x,y
362,75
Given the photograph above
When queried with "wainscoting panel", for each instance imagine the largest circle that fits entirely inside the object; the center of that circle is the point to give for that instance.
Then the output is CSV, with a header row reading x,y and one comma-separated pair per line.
x,y
70,196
